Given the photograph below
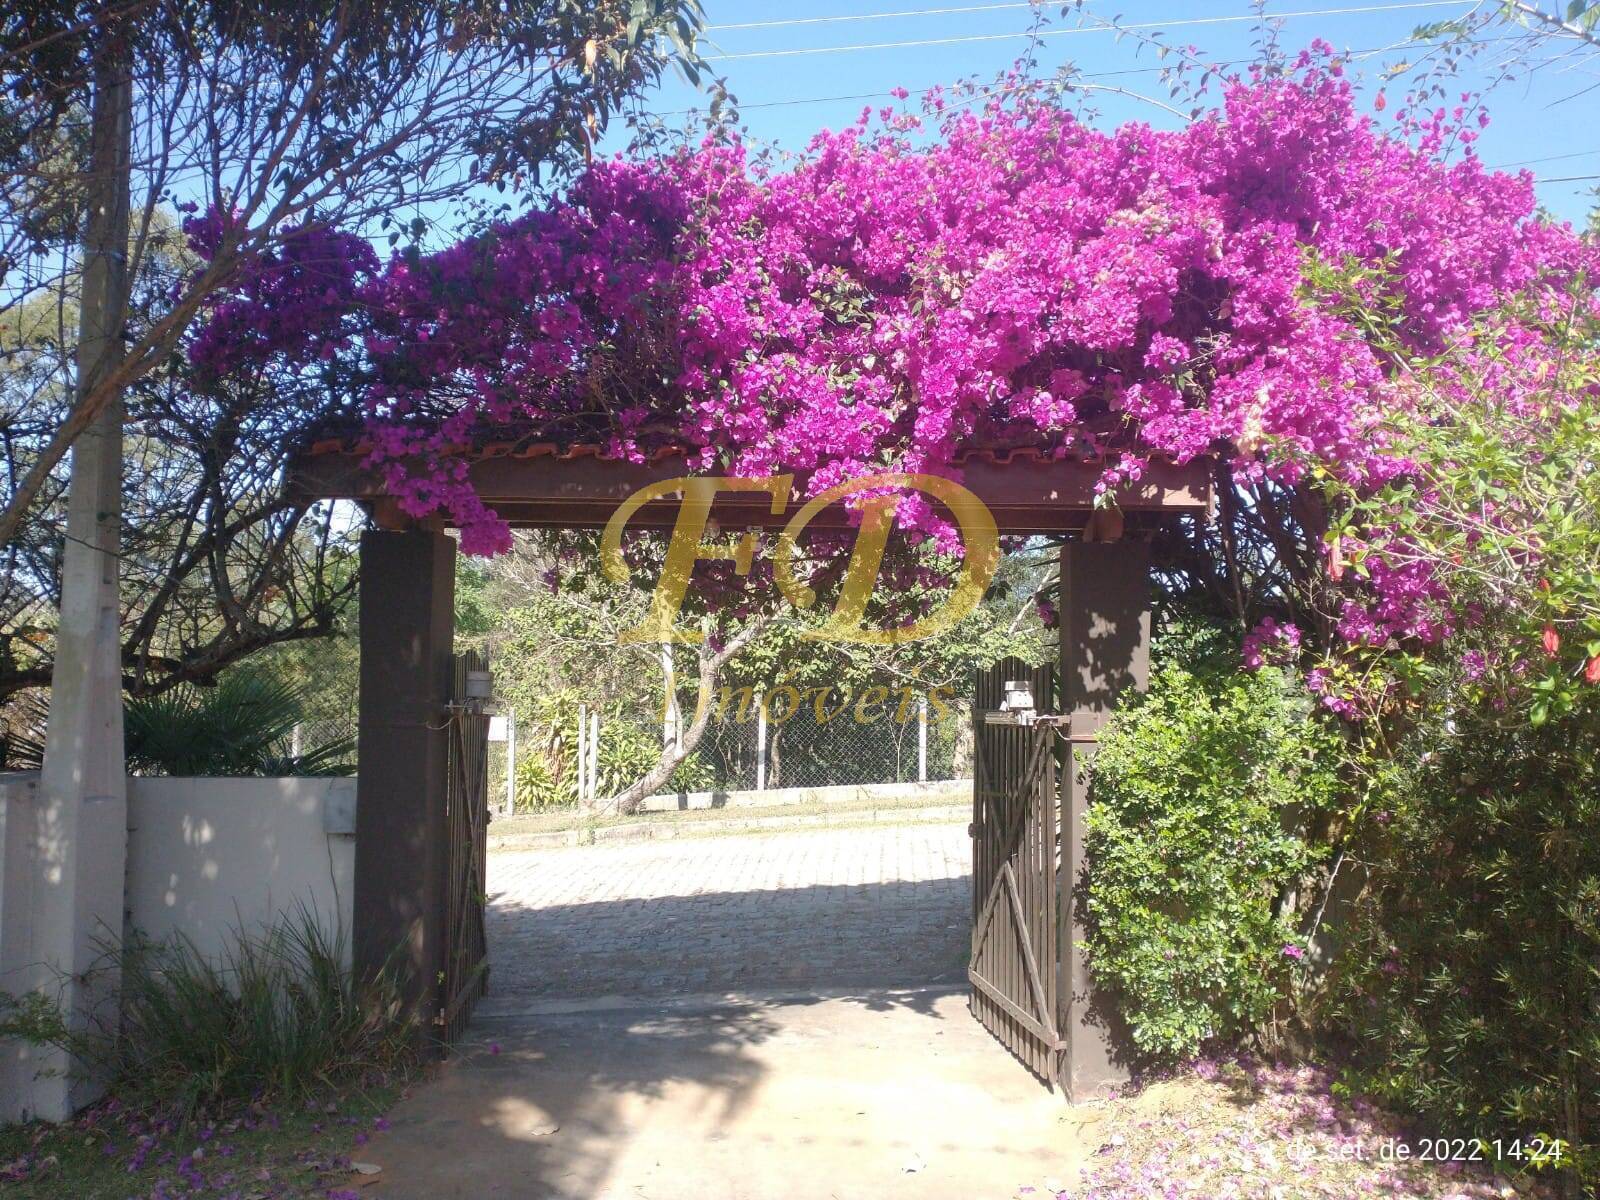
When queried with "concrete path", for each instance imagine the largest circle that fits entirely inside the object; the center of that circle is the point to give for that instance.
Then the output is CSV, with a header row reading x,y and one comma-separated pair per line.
x,y
773,1017
875,1096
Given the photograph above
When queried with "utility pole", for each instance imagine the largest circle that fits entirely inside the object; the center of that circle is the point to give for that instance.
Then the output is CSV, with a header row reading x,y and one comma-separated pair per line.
x,y
80,835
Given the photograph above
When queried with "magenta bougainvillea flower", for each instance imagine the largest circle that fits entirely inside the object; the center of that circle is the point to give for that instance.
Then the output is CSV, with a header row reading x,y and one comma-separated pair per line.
x,y
1023,279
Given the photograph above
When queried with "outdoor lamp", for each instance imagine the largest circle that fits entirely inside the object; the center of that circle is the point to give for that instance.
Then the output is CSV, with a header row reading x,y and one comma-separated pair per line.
x,y
480,685
1019,696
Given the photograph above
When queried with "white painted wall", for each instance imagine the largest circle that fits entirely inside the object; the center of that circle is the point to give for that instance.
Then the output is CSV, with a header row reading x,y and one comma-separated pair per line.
x,y
207,856
19,1063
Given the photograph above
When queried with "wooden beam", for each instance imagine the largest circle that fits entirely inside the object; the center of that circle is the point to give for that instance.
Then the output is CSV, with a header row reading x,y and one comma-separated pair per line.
x,y
1026,494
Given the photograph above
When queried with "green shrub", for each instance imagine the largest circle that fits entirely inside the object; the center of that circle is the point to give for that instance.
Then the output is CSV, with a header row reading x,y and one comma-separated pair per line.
x,y
1198,793
1470,978
244,725
1470,971
540,787
279,1016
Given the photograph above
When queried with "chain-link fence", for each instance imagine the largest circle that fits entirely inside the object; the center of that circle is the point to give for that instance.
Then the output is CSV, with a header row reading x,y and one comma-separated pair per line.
x,y
825,737
315,733
785,738
862,739
727,754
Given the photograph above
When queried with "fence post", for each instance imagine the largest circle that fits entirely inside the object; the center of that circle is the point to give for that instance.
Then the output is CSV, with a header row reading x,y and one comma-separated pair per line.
x,y
511,761
761,741
594,757
583,756
922,739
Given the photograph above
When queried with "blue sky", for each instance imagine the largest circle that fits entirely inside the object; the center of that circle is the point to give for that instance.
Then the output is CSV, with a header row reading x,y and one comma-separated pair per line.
x,y
1543,120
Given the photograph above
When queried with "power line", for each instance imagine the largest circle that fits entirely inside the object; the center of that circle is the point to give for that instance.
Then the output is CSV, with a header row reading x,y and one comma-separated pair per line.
x,y
1234,62
1130,71
876,16
1011,37
1530,162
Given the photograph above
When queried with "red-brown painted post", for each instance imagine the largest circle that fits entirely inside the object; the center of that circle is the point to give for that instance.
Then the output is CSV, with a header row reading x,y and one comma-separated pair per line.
x,y
1105,651
402,839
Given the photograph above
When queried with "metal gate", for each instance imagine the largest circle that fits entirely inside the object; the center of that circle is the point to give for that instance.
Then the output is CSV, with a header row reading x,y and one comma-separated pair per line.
x,y
1014,968
466,970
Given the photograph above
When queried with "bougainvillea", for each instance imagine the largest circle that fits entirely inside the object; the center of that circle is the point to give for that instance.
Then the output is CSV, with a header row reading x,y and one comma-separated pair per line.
x,y
891,299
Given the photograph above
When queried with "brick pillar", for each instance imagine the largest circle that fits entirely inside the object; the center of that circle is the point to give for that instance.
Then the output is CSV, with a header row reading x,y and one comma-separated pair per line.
x,y
1105,650
407,626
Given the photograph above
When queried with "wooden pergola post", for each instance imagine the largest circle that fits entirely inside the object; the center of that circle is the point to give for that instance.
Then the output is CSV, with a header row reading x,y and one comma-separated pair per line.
x,y
402,838
1105,650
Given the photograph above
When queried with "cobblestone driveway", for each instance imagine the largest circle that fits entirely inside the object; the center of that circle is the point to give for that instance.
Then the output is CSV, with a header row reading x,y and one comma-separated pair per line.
x,y
841,908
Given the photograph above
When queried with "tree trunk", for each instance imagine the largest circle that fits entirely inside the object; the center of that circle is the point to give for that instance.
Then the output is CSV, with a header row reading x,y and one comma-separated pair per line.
x,y
711,665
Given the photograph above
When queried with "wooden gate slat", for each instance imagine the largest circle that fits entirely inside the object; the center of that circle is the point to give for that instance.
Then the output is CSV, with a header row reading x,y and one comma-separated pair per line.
x,y
1025,944
467,819
1016,889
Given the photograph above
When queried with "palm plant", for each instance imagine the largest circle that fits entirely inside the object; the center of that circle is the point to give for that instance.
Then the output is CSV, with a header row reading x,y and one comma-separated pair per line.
x,y
244,725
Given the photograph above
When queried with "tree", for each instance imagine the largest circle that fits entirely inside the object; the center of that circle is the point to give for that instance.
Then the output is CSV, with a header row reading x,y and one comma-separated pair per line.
x,y
286,118
289,119
217,561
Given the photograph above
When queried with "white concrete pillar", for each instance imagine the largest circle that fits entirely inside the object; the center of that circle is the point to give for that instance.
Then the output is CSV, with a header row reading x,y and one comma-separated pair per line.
x,y
80,832
583,756
671,710
594,757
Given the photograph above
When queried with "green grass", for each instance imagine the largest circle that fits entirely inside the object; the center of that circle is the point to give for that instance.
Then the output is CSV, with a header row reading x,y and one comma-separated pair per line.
x,y
115,1153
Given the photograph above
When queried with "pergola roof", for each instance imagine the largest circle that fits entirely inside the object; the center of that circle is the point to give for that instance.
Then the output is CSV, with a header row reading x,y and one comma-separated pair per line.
x,y
539,484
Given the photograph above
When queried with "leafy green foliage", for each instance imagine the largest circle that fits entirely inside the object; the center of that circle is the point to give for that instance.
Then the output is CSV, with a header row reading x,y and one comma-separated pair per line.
x,y
553,640
1199,791
242,726
1489,544
1470,970
1469,977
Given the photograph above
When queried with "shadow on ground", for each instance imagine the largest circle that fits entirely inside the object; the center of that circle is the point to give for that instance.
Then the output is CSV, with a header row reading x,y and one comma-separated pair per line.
x,y
878,1094
775,1043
